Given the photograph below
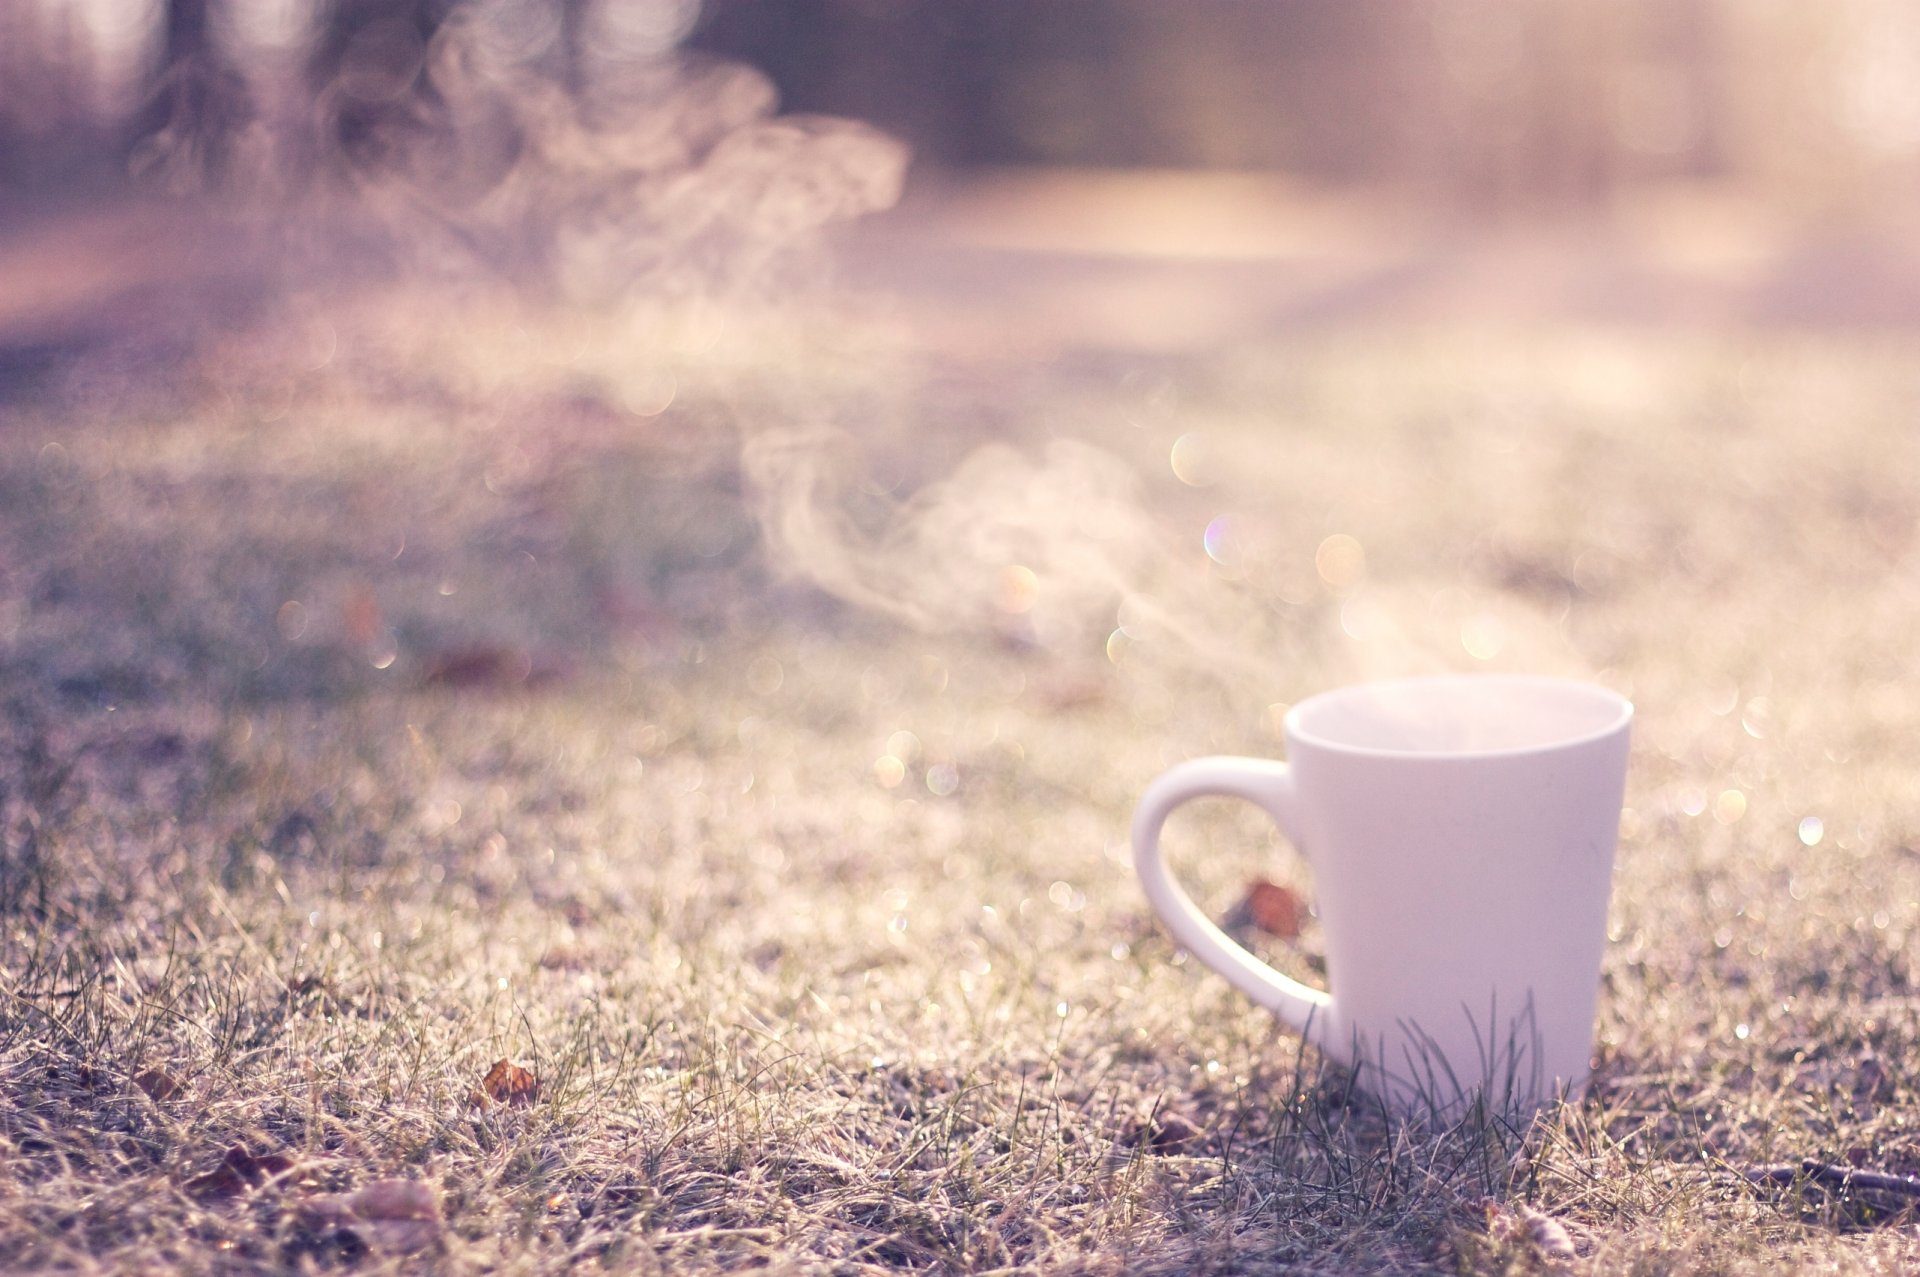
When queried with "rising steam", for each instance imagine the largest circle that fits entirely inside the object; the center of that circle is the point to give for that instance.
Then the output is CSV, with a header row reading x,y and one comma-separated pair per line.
x,y
605,173
1054,543
668,174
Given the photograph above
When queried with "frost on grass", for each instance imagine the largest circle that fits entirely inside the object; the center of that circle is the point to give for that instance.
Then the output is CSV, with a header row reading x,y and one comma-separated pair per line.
x,y
281,892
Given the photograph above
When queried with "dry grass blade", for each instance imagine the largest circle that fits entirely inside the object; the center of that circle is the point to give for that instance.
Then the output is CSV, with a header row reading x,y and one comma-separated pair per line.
x,y
267,874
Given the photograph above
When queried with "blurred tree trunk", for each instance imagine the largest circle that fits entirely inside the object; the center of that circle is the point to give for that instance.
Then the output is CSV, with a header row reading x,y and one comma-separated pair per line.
x,y
575,19
184,136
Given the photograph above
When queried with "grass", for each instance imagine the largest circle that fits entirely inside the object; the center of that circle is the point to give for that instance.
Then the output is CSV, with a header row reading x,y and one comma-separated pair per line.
x,y
375,714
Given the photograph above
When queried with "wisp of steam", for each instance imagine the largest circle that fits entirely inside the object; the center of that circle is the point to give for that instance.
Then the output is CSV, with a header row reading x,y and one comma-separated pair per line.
x,y
575,150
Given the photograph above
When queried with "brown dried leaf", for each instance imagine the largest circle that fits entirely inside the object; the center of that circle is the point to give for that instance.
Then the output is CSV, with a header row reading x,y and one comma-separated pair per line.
x,y
1268,907
508,1083
159,1084
217,1184
1171,1133
399,1216
1161,1131
239,1171
484,666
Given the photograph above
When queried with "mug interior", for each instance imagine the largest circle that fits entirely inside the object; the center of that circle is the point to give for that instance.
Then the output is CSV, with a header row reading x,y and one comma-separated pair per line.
x,y
1463,714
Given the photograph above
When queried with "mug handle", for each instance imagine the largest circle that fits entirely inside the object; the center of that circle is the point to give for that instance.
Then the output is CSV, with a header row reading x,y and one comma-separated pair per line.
x,y
1269,786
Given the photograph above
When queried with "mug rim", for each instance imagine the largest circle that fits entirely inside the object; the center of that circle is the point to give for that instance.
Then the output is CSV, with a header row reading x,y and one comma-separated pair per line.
x,y
1297,733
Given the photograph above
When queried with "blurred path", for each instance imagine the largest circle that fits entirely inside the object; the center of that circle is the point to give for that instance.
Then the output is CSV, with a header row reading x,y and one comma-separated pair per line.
x,y
147,270
1169,262
1025,263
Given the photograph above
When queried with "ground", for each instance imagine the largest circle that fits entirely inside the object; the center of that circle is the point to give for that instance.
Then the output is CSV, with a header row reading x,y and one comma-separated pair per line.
x,y
728,709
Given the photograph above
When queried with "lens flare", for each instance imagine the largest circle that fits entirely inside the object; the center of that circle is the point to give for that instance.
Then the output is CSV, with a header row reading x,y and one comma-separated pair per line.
x,y
1192,461
1220,541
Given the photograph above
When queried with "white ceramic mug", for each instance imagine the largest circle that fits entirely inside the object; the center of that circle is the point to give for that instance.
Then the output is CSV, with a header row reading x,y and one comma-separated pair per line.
x,y
1461,834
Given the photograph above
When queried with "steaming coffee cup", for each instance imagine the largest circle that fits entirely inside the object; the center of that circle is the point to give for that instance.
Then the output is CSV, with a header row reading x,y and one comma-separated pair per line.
x,y
1461,834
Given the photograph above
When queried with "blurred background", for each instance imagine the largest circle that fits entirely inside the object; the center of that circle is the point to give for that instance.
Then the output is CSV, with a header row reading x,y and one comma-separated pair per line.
x,y
1704,159
1482,103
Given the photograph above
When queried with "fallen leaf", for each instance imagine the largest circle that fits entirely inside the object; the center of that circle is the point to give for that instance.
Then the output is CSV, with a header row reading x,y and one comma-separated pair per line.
x,y
1872,1083
508,1083
395,1215
158,1084
1267,907
239,1171
1161,1131
1171,1132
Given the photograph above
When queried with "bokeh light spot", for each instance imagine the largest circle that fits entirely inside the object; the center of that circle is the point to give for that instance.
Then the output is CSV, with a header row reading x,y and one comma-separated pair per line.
x,y
649,393
1192,461
1138,616
1730,806
1221,541
1484,637
1812,830
766,675
1019,586
56,463
1340,561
